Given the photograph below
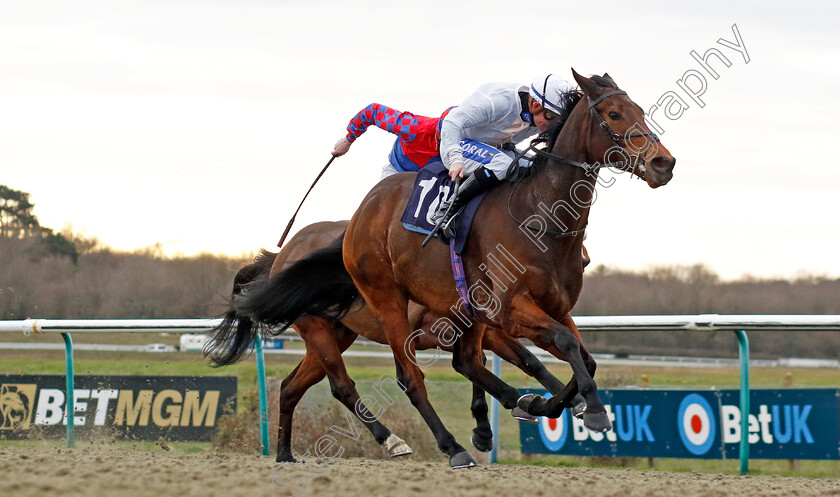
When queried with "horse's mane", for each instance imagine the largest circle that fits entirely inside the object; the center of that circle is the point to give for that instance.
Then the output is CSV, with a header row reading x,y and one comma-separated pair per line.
x,y
571,99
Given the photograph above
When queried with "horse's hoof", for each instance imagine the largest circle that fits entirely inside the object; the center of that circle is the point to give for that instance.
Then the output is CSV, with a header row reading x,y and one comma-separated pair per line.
x,y
481,443
527,400
579,408
521,415
597,421
396,446
462,460
288,457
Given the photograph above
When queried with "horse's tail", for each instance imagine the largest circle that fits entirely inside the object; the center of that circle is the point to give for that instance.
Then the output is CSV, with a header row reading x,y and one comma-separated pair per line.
x,y
317,285
231,339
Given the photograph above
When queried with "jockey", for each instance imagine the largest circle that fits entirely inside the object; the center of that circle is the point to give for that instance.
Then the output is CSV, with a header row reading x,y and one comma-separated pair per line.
x,y
477,138
417,137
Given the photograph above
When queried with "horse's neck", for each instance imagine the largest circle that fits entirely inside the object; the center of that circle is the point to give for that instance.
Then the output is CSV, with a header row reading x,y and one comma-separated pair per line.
x,y
566,188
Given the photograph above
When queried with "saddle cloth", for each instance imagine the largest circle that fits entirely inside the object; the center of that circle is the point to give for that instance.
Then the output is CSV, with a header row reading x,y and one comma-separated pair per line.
x,y
431,188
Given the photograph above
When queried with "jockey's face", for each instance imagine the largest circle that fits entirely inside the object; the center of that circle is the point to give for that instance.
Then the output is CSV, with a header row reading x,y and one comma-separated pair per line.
x,y
543,118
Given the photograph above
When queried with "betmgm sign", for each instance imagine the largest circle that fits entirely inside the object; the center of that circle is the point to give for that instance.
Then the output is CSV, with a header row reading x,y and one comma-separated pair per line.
x,y
782,424
135,407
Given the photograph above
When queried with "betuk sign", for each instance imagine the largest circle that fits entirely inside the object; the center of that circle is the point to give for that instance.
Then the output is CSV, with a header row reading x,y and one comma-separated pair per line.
x,y
783,424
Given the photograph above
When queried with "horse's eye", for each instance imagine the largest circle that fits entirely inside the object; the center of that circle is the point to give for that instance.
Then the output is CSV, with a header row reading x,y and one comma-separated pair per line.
x,y
615,116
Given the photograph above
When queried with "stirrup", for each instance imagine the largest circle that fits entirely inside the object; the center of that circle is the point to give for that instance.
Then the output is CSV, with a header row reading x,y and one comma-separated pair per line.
x,y
440,214
441,218
448,225
438,227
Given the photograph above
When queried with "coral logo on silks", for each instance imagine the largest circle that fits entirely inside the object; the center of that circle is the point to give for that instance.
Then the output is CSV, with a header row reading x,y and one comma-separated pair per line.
x,y
477,151
696,424
553,431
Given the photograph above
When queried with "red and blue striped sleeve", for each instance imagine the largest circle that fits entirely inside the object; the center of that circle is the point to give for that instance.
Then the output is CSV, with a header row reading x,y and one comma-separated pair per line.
x,y
391,120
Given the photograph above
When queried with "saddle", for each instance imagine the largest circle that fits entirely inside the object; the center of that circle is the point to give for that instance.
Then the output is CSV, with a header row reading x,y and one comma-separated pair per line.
x,y
431,188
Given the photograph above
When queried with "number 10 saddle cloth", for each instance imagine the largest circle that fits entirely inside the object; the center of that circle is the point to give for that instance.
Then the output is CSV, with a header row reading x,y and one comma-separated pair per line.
x,y
432,187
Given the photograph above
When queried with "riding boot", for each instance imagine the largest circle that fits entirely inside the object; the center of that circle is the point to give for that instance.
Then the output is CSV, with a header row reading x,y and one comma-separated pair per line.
x,y
480,181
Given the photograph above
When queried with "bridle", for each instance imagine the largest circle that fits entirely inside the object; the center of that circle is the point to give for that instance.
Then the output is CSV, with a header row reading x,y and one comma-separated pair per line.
x,y
606,127
588,168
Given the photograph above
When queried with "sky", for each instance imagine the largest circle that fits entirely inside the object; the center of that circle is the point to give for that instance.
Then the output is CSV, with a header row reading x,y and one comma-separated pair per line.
x,y
199,125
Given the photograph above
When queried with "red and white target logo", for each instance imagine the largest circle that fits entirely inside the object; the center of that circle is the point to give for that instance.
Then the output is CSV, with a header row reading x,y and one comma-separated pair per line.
x,y
553,431
696,424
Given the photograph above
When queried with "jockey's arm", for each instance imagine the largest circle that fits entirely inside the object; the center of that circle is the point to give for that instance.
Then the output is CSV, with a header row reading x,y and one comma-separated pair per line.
x,y
454,129
379,115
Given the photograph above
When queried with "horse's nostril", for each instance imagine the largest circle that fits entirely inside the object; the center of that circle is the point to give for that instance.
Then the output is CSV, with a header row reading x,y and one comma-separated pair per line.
x,y
663,164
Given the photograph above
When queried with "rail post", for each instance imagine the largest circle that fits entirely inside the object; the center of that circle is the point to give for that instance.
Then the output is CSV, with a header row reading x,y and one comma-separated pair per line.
x,y
744,356
494,413
70,391
262,394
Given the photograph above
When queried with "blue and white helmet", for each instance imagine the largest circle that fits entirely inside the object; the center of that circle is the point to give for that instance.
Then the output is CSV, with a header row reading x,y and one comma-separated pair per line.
x,y
550,92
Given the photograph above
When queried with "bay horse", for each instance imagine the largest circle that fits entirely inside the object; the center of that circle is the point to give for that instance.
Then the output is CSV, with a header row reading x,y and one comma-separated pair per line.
x,y
326,339
389,267
385,264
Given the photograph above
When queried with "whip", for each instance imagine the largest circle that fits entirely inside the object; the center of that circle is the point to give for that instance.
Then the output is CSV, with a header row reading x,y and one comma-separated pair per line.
x,y
292,220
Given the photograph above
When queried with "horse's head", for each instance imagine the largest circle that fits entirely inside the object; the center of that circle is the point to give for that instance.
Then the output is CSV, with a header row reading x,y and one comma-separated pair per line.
x,y
618,132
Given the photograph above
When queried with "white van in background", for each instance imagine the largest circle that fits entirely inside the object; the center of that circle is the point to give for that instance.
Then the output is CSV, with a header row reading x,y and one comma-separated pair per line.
x,y
193,342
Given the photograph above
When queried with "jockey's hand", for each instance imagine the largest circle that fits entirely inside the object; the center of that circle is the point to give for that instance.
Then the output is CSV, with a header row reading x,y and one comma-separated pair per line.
x,y
341,147
456,170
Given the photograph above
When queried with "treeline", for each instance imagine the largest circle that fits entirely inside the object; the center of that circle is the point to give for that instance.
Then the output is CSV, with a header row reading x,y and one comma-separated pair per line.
x,y
103,283
698,290
51,275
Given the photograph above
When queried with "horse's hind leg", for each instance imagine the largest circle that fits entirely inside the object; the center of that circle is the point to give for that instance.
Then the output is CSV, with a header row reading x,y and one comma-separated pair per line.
x,y
330,339
390,306
307,373
482,437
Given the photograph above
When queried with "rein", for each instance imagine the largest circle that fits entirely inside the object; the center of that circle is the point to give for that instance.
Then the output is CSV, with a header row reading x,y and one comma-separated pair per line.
x,y
532,147
589,169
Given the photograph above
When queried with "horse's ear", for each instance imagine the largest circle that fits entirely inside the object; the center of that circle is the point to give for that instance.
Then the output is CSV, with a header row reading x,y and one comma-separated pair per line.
x,y
609,78
587,85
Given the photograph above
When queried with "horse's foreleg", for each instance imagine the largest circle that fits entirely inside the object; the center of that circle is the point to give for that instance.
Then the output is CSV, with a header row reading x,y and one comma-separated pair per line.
x,y
571,390
563,342
467,360
587,357
514,352
591,366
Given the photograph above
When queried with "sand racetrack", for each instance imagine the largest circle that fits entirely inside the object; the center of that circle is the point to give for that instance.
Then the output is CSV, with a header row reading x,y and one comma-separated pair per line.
x,y
105,471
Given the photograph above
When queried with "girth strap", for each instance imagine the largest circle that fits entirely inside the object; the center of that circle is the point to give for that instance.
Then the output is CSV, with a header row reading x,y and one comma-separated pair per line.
x,y
460,276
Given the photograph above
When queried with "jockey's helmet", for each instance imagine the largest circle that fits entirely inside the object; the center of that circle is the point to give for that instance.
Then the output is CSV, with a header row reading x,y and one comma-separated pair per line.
x,y
550,92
